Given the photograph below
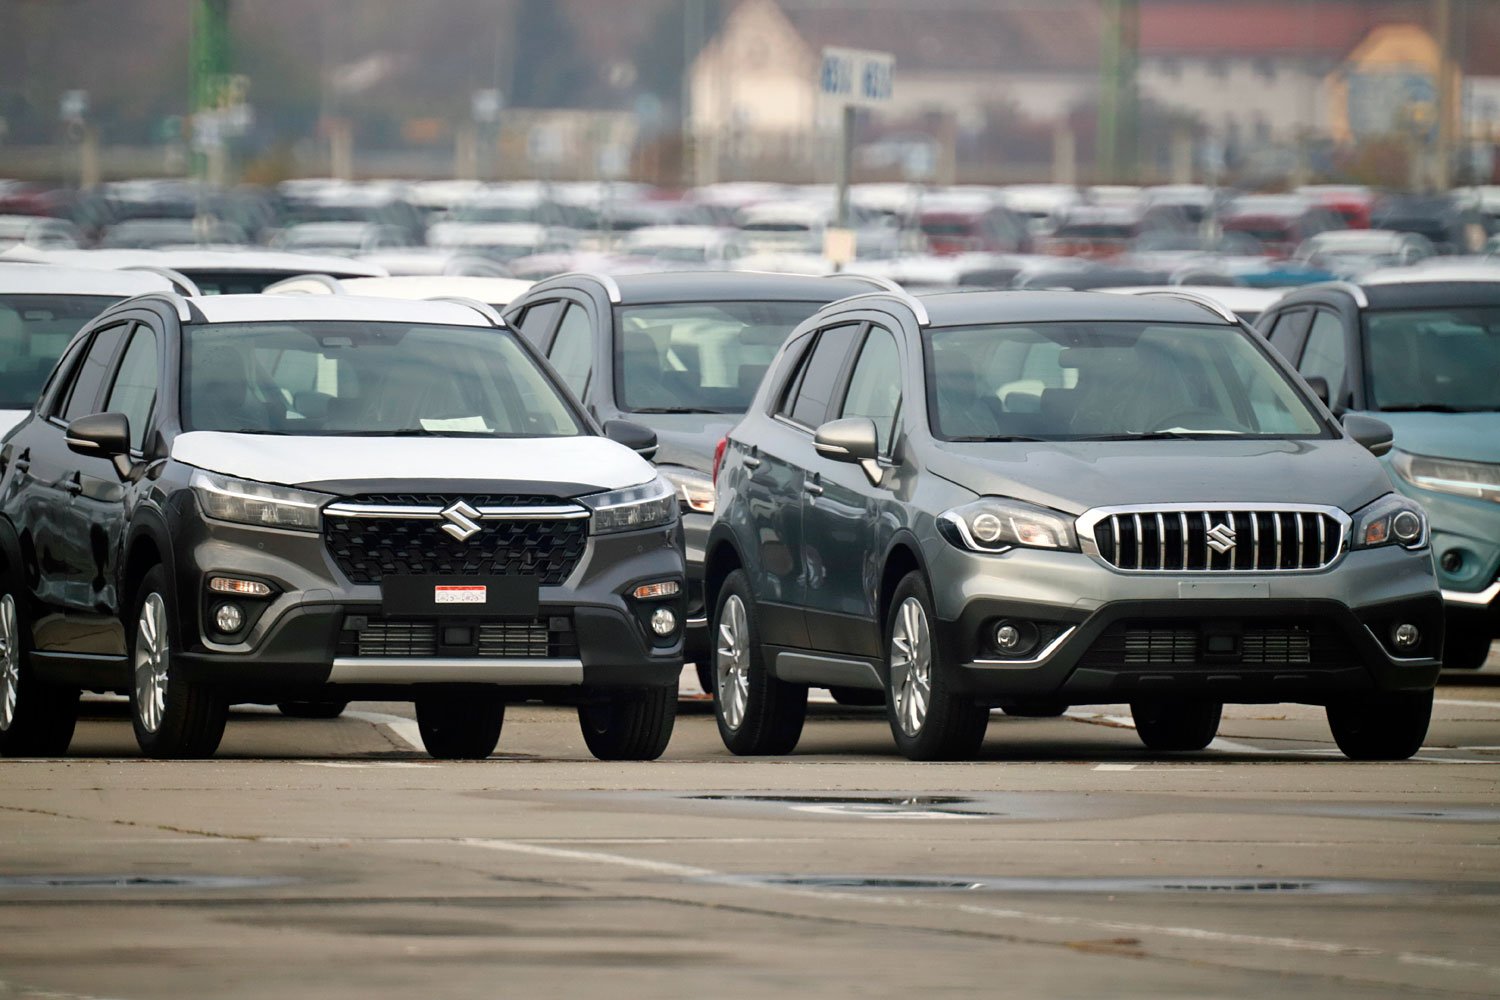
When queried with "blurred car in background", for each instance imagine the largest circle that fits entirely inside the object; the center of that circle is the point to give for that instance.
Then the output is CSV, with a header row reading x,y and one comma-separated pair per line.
x,y
37,231
1452,222
1352,202
435,260
496,293
955,224
503,241
341,238
1246,304
152,234
205,272
1103,231
1349,252
1280,223
697,247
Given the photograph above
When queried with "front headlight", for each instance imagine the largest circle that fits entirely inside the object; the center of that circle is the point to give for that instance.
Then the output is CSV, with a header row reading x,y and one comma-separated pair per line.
x,y
994,524
694,488
1391,520
261,504
1478,480
649,505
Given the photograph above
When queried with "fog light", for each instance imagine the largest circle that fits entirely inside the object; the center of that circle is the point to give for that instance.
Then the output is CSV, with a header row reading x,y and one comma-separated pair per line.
x,y
1407,527
1406,636
1013,638
232,585
648,591
229,618
663,622
1452,561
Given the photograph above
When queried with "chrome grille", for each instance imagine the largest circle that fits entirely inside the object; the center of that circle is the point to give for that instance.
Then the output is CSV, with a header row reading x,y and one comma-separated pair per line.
x,y
1216,539
549,636
398,639
1144,645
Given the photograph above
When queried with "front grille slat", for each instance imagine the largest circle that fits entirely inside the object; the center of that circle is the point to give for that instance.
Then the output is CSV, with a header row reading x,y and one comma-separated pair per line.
x,y
539,638
1176,644
1189,540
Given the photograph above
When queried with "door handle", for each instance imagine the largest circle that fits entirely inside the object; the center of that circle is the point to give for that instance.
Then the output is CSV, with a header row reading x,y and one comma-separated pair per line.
x,y
73,484
23,461
812,489
751,462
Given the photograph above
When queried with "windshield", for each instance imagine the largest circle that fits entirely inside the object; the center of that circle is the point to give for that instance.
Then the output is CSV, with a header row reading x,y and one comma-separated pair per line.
x,y
367,379
1110,381
699,357
529,214
34,329
1440,359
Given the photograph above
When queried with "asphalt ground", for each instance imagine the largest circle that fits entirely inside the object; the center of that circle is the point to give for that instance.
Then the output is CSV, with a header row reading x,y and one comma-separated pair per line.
x,y
333,859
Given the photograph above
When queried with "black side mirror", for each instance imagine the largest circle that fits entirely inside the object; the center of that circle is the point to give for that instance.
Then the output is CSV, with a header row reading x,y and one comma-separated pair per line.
x,y
102,435
1319,385
1375,435
854,440
637,437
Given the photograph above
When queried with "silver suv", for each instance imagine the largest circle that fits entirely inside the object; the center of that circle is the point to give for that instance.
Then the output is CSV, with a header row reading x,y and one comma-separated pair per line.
x,y
1042,499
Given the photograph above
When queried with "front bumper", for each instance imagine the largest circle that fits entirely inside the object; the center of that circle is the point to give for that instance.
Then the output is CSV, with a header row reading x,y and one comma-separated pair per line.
x,y
695,536
305,640
1243,637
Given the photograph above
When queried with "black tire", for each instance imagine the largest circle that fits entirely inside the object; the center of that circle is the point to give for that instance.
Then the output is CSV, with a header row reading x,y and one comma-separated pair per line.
x,y
460,725
312,709
760,715
1035,709
1466,647
1381,727
37,719
857,697
706,676
631,725
1176,725
175,717
953,724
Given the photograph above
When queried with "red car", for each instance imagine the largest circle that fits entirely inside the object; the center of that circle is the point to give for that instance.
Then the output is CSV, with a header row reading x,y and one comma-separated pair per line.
x,y
1279,222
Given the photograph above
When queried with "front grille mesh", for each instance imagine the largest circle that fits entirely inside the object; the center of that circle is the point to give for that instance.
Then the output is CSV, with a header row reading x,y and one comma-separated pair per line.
x,y
1190,540
368,549
537,639
1152,644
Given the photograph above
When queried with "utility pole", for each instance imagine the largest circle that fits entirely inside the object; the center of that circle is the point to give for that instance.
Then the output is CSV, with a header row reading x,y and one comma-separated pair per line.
x,y
1118,99
209,75
1447,109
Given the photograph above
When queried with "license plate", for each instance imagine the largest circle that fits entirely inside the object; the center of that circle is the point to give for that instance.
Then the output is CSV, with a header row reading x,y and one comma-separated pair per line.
x,y
482,597
1224,590
459,595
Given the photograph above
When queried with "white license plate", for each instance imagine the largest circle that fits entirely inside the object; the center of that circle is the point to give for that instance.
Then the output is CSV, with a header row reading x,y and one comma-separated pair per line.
x,y
1223,590
459,595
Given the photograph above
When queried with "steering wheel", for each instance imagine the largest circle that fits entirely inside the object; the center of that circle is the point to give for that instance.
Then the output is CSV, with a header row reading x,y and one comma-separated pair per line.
x,y
1196,418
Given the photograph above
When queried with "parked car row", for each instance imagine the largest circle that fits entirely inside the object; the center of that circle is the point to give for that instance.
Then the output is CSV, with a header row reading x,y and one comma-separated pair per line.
x,y
943,503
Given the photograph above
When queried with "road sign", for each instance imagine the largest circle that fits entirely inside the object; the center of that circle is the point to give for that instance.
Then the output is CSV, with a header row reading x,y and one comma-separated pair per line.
x,y
857,78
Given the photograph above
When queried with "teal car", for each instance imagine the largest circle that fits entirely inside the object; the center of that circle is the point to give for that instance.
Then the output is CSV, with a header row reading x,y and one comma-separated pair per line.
x,y
1422,350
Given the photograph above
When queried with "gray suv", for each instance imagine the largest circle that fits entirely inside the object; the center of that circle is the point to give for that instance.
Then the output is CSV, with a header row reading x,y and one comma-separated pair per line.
x,y
1041,499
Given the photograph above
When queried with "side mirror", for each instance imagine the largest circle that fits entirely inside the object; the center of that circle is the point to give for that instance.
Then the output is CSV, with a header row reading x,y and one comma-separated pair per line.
x,y
854,440
1375,435
1319,385
102,435
638,438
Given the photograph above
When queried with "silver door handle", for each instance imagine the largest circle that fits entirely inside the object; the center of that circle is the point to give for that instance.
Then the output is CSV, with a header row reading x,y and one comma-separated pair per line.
x,y
751,462
812,489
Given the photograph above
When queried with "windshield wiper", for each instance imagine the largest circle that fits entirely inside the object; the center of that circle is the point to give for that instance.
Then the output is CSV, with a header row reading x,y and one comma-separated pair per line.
x,y
411,432
1161,436
1000,438
676,409
1425,408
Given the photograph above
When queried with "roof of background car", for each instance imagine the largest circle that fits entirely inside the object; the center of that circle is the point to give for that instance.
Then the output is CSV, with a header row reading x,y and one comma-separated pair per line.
x,y
992,308
713,286
189,260
18,278
361,308
1435,290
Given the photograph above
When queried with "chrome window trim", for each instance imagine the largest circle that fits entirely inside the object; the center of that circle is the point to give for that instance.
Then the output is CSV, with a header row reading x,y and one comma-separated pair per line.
x,y
1086,522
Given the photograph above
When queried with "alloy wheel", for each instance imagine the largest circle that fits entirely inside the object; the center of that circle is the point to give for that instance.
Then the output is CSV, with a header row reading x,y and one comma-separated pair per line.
x,y
911,665
152,654
10,662
732,663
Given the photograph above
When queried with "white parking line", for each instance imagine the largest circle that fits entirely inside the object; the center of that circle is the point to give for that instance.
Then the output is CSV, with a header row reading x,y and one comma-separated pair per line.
x,y
675,870
403,729
1493,706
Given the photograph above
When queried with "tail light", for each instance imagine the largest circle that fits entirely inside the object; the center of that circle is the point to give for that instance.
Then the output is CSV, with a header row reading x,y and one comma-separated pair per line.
x,y
719,457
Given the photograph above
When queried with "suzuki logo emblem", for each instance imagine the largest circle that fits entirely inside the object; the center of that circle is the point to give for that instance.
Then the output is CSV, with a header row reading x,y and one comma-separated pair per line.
x,y
1221,538
462,521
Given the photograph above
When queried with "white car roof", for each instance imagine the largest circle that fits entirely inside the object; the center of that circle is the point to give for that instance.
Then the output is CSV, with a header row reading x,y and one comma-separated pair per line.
x,y
18,278
1427,271
491,291
293,308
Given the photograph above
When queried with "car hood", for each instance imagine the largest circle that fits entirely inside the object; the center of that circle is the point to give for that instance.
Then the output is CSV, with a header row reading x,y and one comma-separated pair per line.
x,y
687,439
1076,476
576,465
1464,437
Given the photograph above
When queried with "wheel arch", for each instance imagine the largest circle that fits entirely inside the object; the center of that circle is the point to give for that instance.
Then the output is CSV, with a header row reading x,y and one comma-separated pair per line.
x,y
721,558
902,556
147,544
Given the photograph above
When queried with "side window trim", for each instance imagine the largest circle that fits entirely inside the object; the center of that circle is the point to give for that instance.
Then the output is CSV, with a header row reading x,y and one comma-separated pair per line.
x,y
840,379
49,403
64,398
782,403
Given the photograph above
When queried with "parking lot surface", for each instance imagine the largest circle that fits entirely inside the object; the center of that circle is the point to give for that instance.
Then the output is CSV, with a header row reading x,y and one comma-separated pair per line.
x,y
335,858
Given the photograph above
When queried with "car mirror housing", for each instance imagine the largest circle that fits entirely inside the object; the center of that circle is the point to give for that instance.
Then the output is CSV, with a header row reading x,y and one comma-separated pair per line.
x,y
854,440
1376,435
637,437
102,435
